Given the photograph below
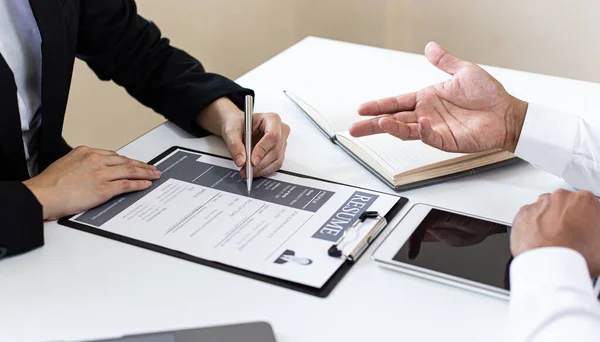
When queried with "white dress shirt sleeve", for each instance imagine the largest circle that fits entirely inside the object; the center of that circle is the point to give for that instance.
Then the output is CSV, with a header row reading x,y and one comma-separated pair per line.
x,y
565,145
552,298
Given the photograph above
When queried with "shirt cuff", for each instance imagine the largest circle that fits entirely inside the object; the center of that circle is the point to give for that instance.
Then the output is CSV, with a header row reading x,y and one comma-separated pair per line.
x,y
547,138
549,268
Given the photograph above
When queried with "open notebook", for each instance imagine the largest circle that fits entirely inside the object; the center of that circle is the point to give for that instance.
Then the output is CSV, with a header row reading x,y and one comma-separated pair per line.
x,y
400,164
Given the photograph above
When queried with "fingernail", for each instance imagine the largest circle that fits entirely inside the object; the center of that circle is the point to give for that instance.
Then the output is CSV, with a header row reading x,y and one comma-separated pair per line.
x,y
153,167
256,161
157,173
147,183
239,160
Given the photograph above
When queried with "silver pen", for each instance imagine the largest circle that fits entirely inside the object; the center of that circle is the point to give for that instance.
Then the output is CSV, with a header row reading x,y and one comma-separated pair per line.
x,y
248,139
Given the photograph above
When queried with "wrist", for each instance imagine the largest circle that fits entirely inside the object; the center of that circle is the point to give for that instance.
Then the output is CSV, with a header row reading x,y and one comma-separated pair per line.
x,y
41,197
515,119
213,117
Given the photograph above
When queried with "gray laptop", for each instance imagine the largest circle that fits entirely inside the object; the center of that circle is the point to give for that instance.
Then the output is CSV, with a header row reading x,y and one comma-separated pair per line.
x,y
246,332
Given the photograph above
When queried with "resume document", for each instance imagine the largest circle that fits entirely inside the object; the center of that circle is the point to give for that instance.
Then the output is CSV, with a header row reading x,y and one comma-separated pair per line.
x,y
200,206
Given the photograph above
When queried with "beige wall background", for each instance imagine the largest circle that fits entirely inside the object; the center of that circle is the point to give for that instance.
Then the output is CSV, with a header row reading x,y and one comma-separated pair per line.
x,y
231,37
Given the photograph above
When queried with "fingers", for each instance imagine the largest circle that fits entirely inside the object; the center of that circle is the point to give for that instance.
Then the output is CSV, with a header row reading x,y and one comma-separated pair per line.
x,y
84,150
399,129
108,158
273,156
122,186
443,60
103,152
366,127
374,126
390,105
267,170
271,163
130,171
273,132
233,134
120,160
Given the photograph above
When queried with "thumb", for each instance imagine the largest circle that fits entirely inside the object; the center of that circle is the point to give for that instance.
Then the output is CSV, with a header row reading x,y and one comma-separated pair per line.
x,y
428,135
233,134
443,60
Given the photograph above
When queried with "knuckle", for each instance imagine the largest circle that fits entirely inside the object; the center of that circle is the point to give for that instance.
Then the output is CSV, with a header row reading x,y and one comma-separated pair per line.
x,y
274,116
131,170
123,160
543,197
262,150
587,197
103,192
561,192
93,157
229,131
99,174
273,135
126,185
81,149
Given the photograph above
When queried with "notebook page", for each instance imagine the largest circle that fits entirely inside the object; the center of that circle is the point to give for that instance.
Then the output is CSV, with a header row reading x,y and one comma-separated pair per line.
x,y
339,112
397,156
339,104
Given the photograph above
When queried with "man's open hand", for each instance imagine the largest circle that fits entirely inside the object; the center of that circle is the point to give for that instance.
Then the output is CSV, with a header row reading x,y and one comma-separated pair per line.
x,y
470,112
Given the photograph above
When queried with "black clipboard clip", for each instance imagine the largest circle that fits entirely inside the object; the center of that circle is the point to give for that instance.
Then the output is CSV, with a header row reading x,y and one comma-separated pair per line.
x,y
337,252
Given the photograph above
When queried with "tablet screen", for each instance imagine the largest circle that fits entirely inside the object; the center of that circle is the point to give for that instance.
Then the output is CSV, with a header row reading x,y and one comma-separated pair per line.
x,y
460,246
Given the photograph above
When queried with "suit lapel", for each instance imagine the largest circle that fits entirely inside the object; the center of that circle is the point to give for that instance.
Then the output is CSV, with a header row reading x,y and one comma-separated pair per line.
x,y
11,139
51,23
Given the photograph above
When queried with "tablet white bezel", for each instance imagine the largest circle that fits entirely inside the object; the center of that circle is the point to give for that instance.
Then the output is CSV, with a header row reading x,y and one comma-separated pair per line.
x,y
386,251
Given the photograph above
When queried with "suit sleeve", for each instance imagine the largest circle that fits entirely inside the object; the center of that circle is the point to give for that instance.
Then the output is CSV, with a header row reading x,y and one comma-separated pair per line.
x,y
120,45
22,222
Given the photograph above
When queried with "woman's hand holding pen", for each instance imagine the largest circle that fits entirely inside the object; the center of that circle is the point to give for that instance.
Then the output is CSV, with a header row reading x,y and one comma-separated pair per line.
x,y
270,136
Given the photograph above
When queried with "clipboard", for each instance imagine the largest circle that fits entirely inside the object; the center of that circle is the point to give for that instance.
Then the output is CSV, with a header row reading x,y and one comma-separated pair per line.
x,y
321,292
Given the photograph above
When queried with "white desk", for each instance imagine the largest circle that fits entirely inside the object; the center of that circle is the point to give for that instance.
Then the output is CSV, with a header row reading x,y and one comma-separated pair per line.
x,y
82,286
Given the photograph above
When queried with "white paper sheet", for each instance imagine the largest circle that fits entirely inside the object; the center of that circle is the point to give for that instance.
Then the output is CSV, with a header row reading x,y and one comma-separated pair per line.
x,y
200,207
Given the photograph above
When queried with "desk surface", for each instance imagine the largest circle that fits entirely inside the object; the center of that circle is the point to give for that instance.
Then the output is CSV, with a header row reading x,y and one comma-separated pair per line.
x,y
83,286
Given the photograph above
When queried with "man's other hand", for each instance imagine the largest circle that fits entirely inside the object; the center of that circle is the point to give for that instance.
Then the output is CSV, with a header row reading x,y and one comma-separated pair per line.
x,y
88,177
269,137
561,219
470,112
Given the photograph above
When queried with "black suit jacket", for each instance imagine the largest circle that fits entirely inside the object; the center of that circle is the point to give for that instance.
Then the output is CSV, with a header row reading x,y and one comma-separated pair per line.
x,y
118,45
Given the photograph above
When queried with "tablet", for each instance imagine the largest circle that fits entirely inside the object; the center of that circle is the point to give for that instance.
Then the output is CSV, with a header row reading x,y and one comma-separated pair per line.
x,y
245,332
450,247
